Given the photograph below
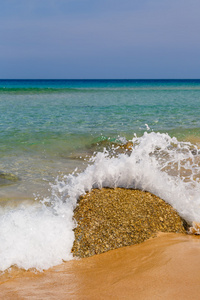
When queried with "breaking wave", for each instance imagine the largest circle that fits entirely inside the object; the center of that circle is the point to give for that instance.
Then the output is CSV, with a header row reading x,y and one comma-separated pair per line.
x,y
41,235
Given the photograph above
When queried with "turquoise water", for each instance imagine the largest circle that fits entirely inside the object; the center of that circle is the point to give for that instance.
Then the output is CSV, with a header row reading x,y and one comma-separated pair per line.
x,y
46,125
50,131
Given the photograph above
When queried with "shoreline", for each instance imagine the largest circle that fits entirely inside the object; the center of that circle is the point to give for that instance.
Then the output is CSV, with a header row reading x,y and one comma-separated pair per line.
x,y
164,267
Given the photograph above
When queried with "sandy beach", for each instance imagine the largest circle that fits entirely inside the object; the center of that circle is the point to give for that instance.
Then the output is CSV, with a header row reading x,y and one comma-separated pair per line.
x,y
165,267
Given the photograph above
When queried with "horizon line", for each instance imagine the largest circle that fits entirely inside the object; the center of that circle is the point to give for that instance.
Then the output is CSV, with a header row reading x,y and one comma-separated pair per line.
x,y
99,79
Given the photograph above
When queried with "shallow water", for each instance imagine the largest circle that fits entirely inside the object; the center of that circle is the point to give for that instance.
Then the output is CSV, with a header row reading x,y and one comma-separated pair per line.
x,y
62,138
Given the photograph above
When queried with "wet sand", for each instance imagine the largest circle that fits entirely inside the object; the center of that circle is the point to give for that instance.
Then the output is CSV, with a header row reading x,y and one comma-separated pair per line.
x,y
165,267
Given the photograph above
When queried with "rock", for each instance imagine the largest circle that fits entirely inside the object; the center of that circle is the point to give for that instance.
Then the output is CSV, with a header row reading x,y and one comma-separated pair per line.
x,y
112,218
7,178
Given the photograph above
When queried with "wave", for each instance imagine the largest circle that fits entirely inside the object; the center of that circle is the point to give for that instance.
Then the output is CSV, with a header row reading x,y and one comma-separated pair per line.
x,y
41,235
60,90
36,90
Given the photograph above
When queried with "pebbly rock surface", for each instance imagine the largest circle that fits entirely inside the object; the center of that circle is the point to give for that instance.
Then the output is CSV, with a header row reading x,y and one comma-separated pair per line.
x,y
111,218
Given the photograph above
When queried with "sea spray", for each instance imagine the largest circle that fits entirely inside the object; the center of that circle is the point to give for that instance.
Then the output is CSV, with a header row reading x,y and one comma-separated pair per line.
x,y
158,163
41,236
35,237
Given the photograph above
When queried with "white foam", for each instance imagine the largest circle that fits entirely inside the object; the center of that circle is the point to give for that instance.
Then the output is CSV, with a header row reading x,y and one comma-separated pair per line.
x,y
35,237
158,164
42,236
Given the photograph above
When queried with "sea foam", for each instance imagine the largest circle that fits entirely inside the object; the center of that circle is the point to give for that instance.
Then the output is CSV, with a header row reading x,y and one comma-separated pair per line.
x,y
41,236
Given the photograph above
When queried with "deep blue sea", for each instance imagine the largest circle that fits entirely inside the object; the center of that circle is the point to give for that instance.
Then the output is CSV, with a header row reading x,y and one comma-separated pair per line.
x,y
58,139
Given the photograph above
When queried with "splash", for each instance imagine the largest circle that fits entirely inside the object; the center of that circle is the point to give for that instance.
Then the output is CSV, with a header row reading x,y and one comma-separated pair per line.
x,y
35,237
157,163
41,235
195,228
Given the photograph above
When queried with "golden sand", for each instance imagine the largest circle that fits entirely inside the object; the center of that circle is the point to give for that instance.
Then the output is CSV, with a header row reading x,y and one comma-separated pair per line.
x,y
166,267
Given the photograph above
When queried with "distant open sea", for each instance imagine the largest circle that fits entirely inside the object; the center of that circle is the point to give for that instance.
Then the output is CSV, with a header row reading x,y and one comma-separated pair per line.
x,y
58,139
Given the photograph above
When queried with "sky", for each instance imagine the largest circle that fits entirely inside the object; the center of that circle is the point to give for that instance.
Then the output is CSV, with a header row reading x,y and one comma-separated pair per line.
x,y
90,39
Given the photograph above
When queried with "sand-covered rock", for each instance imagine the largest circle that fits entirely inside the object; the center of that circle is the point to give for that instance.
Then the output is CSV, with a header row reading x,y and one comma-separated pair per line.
x,y
112,218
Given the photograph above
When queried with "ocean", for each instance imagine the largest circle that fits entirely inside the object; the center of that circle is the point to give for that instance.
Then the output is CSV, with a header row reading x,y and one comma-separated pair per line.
x,y
61,138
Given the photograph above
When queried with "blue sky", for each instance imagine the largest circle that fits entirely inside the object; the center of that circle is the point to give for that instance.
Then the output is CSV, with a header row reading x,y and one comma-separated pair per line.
x,y
99,39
